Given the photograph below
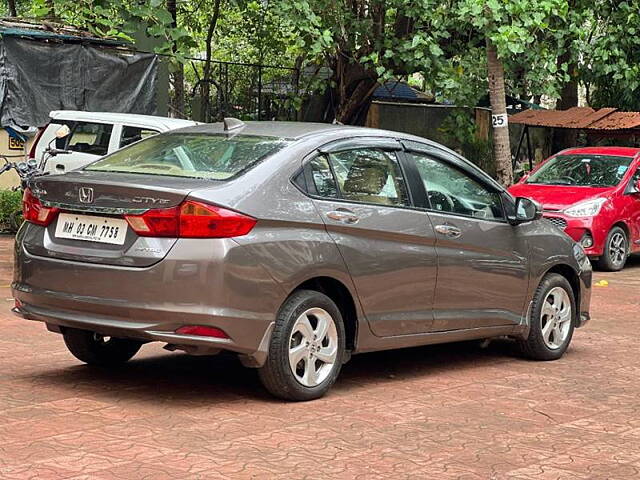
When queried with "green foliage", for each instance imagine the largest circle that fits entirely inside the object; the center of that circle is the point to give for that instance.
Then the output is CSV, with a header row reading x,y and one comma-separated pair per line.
x,y
10,202
458,132
542,43
119,19
390,38
613,53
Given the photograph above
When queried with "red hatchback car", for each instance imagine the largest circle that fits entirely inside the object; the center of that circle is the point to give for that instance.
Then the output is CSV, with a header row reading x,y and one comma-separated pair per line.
x,y
593,194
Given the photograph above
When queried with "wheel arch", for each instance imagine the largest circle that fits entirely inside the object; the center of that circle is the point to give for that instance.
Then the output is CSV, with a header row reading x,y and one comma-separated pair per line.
x,y
572,277
343,298
623,225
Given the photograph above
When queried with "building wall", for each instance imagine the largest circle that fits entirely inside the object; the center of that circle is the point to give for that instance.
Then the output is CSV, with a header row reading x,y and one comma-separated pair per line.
x,y
10,179
424,120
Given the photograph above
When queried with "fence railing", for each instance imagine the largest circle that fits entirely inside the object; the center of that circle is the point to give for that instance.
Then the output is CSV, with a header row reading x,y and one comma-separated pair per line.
x,y
243,90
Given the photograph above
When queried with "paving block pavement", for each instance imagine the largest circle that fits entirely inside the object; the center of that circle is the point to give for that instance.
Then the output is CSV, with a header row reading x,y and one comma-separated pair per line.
x,y
439,412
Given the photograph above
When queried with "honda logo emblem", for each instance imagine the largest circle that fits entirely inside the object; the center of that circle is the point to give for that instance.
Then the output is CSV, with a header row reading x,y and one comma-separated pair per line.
x,y
85,195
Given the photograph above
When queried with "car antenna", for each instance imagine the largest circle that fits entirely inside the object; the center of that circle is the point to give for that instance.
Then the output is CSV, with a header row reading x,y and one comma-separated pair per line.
x,y
231,123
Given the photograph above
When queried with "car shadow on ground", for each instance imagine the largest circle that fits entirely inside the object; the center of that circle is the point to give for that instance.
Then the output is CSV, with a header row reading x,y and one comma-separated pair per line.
x,y
182,379
632,262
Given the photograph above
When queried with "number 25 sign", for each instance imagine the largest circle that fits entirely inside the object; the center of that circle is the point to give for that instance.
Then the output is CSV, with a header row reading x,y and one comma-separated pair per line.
x,y
499,121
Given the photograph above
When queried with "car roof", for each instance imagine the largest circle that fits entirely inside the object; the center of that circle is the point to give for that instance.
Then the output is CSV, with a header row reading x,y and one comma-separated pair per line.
x,y
164,123
615,151
317,133
289,130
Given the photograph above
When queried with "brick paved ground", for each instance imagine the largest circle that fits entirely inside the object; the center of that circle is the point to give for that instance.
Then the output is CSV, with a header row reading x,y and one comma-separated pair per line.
x,y
434,412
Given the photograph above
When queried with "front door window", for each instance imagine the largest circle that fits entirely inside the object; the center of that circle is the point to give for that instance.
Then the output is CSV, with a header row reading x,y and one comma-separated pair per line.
x,y
453,191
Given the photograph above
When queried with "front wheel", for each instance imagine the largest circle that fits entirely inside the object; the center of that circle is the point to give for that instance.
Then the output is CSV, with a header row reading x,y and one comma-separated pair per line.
x,y
552,319
616,251
96,349
307,348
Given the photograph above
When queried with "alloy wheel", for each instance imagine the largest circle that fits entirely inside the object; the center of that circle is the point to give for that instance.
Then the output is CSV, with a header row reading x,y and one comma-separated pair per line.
x,y
555,318
313,347
617,248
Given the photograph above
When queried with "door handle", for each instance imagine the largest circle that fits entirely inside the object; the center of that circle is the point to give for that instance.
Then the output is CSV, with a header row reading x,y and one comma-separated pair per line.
x,y
343,215
448,231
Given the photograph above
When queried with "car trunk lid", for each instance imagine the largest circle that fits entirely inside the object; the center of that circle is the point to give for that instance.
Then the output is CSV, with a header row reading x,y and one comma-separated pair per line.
x,y
109,196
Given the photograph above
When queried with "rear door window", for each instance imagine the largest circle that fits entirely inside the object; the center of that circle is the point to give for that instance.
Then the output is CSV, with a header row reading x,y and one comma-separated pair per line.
x,y
85,137
366,175
322,176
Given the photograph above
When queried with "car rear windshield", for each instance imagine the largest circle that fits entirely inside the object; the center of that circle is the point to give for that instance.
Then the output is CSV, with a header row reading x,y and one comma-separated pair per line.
x,y
582,170
217,157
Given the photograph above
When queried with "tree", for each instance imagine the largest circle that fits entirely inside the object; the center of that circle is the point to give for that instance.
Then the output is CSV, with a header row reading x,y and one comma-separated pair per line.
x,y
365,42
177,99
11,5
206,80
502,149
511,29
611,69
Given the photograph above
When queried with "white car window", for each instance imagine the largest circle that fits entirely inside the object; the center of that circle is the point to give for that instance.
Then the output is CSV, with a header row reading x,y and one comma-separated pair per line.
x,y
133,134
85,137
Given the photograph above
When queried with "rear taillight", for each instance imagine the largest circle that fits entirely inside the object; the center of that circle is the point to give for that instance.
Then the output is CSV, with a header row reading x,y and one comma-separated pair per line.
x,y
33,211
191,220
32,150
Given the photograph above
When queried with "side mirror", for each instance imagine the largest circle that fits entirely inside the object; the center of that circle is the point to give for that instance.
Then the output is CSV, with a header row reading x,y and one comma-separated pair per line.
x,y
526,210
524,177
633,187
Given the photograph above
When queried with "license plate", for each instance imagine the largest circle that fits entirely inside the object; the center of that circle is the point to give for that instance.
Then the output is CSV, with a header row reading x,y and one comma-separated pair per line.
x,y
91,228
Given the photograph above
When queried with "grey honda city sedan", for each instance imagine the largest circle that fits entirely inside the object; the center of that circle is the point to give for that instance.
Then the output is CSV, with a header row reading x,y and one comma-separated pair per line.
x,y
293,245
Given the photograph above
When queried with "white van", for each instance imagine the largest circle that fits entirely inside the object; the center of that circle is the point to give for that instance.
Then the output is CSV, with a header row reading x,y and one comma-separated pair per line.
x,y
94,134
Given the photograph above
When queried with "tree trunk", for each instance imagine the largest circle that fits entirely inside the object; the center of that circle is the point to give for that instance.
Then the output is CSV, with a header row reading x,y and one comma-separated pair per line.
x,y
206,101
355,85
52,10
177,99
11,4
563,137
502,149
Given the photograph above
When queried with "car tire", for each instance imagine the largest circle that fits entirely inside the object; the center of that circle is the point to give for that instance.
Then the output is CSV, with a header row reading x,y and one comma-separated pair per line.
x,y
552,319
615,251
96,349
307,348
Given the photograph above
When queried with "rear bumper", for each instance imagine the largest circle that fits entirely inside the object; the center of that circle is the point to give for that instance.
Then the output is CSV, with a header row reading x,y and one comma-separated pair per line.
x,y
57,320
200,282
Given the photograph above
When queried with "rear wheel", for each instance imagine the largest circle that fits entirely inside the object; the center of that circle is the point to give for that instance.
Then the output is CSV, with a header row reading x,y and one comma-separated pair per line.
x,y
616,251
307,348
96,349
552,319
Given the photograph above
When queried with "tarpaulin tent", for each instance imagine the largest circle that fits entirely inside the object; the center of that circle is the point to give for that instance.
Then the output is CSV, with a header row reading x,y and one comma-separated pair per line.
x,y
65,69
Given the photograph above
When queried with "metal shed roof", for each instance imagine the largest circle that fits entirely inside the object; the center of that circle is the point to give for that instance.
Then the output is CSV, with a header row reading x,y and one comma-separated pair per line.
x,y
583,118
13,27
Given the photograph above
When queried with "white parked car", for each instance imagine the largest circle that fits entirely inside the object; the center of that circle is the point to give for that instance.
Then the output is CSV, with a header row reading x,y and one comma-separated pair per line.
x,y
94,134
